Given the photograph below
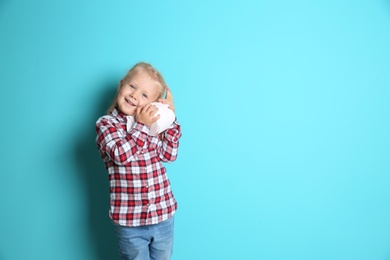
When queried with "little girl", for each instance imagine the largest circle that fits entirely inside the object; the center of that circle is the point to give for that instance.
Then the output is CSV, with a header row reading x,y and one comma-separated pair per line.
x,y
142,204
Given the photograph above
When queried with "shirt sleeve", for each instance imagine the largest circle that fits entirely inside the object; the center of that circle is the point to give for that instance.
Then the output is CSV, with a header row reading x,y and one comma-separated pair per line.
x,y
170,143
118,145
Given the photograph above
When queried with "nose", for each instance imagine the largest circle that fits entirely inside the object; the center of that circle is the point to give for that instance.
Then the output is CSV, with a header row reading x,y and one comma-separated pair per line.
x,y
134,95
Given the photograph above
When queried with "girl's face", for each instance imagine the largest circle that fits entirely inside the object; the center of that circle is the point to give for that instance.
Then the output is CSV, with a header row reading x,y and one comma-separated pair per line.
x,y
138,91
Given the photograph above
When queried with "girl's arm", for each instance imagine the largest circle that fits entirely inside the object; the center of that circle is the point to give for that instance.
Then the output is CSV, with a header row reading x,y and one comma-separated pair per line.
x,y
171,136
118,145
170,143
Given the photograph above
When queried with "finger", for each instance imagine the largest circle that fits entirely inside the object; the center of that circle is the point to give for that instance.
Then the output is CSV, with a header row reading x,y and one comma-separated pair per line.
x,y
170,104
146,108
156,118
139,110
152,108
153,111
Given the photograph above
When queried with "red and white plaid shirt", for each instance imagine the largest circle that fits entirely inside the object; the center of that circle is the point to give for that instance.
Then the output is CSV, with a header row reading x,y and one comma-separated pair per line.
x,y
140,192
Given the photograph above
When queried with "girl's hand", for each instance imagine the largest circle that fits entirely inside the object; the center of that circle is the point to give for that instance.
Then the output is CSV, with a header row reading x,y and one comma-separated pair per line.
x,y
168,100
145,114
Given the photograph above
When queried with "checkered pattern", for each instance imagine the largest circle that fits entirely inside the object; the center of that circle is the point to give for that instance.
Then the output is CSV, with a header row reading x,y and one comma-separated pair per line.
x,y
140,192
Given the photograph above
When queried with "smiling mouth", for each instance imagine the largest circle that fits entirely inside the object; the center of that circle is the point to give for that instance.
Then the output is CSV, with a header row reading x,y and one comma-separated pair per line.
x,y
130,103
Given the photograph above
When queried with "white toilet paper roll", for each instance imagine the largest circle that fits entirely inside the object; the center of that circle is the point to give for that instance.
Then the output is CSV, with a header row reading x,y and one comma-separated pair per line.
x,y
167,117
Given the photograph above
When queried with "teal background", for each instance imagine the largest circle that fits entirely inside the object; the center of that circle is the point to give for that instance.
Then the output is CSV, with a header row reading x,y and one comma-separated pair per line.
x,y
284,107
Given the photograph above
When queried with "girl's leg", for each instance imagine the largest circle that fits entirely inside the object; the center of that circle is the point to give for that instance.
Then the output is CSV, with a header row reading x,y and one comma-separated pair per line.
x,y
133,242
161,247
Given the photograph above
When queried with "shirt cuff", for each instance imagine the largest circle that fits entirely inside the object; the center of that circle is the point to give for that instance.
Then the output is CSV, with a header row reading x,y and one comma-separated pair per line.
x,y
173,133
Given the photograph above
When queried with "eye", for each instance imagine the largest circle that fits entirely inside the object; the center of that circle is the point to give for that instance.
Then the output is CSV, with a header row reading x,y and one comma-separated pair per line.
x,y
145,96
131,86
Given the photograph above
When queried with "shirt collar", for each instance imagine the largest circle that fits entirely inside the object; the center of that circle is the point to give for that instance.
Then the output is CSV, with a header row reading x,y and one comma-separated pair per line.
x,y
123,117
118,114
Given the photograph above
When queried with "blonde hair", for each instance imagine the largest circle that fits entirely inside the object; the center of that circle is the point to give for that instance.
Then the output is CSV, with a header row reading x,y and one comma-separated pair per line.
x,y
137,68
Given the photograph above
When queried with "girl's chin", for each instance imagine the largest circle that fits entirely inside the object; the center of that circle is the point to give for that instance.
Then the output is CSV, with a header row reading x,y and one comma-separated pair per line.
x,y
128,112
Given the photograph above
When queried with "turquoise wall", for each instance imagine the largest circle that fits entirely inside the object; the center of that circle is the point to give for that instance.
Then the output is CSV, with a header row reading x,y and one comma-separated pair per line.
x,y
285,109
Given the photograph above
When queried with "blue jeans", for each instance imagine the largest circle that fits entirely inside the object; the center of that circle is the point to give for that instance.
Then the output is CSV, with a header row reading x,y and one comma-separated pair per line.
x,y
146,242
